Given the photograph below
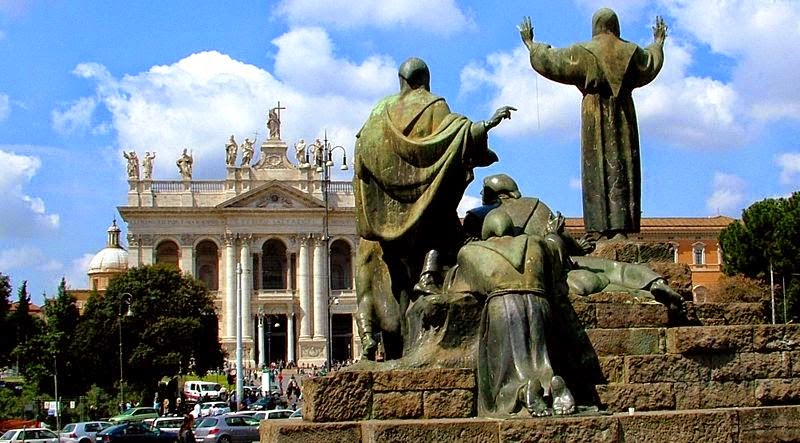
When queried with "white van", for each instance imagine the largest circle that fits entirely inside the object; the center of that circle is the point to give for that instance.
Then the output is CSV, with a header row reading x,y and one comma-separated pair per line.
x,y
195,391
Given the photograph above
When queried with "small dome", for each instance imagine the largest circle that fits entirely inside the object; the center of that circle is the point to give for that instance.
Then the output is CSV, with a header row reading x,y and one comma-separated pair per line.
x,y
109,260
112,258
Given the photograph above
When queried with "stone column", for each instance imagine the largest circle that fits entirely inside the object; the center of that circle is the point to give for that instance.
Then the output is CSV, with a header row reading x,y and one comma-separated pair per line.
x,y
230,286
320,289
186,260
303,288
247,287
261,357
290,335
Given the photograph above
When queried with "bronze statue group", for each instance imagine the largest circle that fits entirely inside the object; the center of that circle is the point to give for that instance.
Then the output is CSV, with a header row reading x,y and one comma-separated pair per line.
x,y
512,257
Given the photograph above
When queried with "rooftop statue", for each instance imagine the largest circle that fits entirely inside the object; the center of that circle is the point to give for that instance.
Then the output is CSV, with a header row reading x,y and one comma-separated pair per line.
x,y
231,150
413,161
133,164
184,164
605,69
247,151
147,165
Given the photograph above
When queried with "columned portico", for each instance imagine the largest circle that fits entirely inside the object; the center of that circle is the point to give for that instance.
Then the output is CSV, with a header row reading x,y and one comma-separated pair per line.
x,y
229,305
320,289
268,217
304,289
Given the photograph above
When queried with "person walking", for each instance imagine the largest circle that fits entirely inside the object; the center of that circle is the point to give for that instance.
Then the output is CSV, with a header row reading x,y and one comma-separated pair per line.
x,y
186,435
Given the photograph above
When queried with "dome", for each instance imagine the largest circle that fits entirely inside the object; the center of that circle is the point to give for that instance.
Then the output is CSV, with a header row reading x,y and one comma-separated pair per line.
x,y
109,260
112,258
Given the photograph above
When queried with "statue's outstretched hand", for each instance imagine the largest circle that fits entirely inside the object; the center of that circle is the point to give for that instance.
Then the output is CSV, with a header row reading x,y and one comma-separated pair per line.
x,y
659,30
556,224
526,31
502,112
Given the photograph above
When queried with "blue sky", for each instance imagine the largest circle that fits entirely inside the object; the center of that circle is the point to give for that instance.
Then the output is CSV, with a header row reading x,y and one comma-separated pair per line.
x,y
83,80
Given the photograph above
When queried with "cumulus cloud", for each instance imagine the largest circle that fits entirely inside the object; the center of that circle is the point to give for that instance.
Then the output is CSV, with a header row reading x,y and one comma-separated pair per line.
x,y
23,215
543,106
790,167
678,108
468,202
25,257
77,116
441,17
760,37
727,194
199,101
76,273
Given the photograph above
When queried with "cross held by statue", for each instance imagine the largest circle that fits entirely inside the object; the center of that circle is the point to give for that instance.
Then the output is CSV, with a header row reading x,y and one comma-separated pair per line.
x,y
274,122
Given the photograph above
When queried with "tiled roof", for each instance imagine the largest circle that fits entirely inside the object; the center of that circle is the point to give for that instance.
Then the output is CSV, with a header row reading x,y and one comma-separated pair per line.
x,y
669,223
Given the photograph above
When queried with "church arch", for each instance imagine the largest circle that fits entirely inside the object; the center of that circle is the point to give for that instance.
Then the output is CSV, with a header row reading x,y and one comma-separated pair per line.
x,y
273,264
341,265
206,263
168,252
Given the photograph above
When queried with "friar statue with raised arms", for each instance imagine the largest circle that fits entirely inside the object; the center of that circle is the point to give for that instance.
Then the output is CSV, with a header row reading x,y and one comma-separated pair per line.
x,y
605,69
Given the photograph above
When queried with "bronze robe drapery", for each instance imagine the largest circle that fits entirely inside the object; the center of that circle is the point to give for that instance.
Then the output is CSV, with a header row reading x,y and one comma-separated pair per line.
x,y
605,70
413,161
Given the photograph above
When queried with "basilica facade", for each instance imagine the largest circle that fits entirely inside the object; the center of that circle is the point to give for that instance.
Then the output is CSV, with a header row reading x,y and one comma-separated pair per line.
x,y
281,233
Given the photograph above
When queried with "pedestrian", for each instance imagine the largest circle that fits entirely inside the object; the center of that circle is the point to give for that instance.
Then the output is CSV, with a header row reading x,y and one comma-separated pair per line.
x,y
186,435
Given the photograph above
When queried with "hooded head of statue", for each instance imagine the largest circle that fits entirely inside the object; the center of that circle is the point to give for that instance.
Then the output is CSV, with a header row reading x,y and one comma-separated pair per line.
x,y
415,73
605,21
497,186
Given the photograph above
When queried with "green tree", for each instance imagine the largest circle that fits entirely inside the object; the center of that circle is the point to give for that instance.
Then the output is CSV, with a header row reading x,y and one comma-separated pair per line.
x,y
768,234
27,330
6,339
171,329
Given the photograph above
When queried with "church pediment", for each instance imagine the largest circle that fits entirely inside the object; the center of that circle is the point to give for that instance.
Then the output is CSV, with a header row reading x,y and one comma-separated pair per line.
x,y
273,195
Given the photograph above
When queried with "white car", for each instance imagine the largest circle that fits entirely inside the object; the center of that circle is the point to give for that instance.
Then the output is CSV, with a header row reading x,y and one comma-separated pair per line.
x,y
29,435
210,408
169,424
83,432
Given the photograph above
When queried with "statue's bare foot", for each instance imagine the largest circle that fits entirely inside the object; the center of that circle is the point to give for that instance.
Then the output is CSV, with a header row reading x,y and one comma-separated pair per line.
x,y
531,395
563,401
368,347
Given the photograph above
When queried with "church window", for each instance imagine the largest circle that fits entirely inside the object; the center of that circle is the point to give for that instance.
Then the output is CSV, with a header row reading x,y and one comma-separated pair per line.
x,y
273,264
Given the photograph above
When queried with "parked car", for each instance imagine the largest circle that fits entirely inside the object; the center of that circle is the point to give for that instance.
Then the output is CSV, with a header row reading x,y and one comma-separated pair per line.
x,y
82,432
271,414
298,414
196,390
134,414
210,408
274,401
135,432
169,424
29,435
228,428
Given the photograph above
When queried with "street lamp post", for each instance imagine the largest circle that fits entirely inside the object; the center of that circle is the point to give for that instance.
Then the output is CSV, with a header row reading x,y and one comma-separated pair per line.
x,y
125,297
323,159
239,375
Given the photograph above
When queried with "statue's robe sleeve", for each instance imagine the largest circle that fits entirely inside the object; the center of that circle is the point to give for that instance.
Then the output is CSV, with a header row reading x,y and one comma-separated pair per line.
x,y
413,161
605,70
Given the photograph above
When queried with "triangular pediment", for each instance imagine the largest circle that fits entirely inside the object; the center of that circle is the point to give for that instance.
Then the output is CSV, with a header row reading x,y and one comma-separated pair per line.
x,y
274,195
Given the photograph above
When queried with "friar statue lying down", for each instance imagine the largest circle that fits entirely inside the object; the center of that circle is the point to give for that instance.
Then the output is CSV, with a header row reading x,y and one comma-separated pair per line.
x,y
520,259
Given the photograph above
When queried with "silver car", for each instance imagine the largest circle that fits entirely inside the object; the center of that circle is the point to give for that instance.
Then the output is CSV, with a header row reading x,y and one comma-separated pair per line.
x,y
30,435
82,432
169,424
228,428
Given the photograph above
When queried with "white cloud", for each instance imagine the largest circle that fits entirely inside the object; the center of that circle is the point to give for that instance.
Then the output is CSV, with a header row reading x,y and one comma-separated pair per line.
x,y
27,257
305,61
77,117
727,194
761,37
468,202
543,105
441,17
76,273
575,183
199,101
23,215
5,105
790,167
678,108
